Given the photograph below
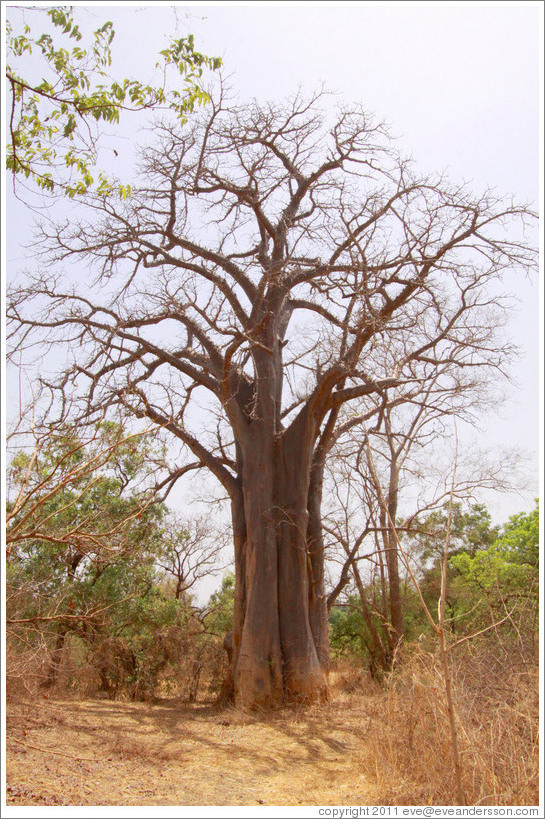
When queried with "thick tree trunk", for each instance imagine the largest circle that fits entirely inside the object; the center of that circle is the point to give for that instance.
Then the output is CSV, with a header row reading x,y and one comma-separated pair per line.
x,y
304,674
258,674
277,660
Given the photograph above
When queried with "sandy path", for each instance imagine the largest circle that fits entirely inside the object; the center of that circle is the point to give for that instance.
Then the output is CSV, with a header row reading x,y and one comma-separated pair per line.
x,y
117,753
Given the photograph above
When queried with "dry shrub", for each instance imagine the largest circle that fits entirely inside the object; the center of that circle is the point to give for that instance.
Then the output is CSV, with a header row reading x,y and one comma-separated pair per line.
x,y
27,704
200,669
25,670
348,676
114,663
178,661
497,706
37,663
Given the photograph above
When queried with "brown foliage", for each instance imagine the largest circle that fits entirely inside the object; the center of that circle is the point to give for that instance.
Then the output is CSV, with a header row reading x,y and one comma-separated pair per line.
x,y
497,706
181,662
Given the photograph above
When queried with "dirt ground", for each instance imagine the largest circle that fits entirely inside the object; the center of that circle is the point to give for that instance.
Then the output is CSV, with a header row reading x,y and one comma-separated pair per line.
x,y
98,752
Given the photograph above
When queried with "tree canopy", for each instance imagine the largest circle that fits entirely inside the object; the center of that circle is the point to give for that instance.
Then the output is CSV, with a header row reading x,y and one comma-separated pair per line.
x,y
510,565
91,550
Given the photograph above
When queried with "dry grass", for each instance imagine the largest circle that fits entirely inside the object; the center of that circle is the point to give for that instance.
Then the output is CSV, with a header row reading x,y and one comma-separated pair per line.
x,y
170,753
368,746
497,704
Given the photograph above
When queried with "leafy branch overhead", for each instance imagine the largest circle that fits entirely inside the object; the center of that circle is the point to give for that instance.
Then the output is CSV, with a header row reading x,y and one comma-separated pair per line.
x,y
53,122
84,498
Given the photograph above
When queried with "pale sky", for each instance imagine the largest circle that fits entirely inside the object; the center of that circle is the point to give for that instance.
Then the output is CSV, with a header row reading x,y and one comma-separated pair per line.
x,y
458,82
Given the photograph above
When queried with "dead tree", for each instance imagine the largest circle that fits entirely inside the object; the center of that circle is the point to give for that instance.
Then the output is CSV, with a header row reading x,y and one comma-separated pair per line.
x,y
264,255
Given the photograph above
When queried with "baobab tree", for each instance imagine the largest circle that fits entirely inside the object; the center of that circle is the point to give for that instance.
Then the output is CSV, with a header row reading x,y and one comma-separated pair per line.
x,y
266,253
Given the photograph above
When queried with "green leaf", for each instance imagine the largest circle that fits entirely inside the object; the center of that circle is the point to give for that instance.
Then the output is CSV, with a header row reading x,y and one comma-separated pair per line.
x,y
76,93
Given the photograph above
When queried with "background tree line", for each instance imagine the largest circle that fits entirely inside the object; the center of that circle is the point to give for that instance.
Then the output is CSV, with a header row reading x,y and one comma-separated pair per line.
x,y
99,572
100,576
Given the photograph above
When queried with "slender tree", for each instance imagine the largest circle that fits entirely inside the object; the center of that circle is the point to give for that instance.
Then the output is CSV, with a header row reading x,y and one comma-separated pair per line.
x,y
362,537
413,426
263,262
